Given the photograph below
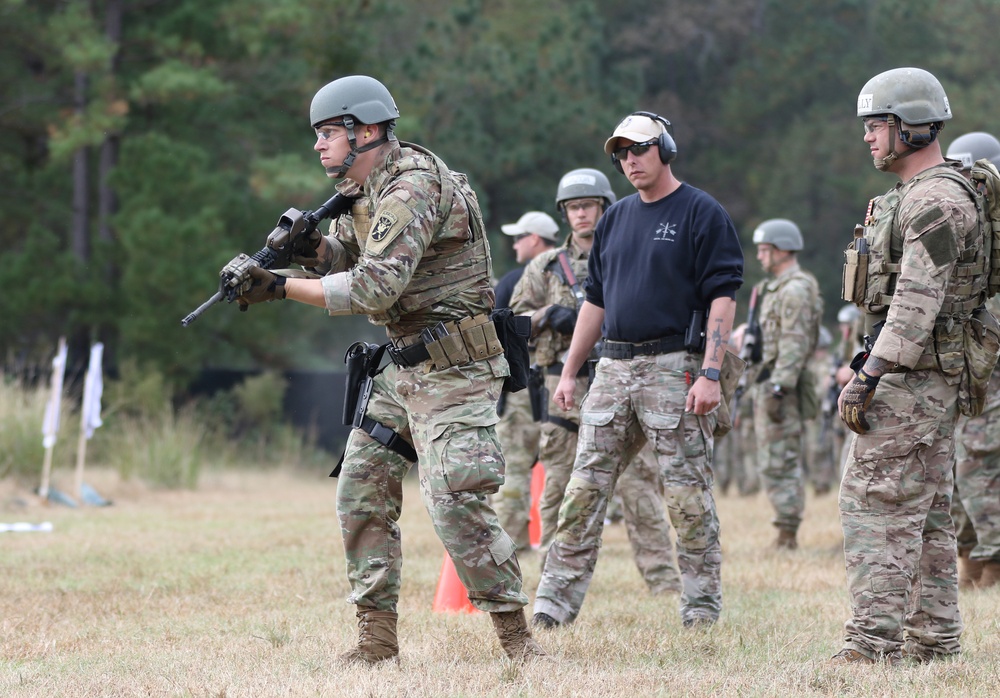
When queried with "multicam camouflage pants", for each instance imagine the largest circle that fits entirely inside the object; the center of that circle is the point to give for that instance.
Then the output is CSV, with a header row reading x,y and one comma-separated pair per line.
x,y
976,509
519,436
450,416
630,402
639,488
780,457
899,542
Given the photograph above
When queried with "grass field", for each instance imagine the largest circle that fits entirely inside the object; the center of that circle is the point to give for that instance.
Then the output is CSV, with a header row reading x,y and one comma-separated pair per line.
x,y
238,589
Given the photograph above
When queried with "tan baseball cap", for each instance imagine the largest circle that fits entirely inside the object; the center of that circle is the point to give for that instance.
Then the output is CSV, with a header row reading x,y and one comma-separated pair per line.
x,y
537,222
636,128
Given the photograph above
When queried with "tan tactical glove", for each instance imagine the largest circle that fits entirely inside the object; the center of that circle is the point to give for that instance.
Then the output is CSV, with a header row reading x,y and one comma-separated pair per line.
x,y
264,286
854,400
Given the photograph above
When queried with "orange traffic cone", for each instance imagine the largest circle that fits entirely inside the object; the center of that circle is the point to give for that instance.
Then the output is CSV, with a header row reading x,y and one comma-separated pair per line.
x,y
535,520
451,596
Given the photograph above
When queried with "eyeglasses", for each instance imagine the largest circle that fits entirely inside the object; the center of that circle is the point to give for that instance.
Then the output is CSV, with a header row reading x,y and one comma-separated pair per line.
x,y
326,132
636,149
518,238
873,123
580,206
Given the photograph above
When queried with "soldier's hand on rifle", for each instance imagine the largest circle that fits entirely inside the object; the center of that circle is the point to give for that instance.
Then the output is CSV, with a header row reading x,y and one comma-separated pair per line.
x,y
234,278
309,250
561,319
264,286
854,400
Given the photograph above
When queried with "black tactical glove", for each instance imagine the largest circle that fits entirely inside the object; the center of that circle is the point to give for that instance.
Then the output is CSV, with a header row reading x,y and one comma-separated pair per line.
x,y
264,286
774,404
854,400
561,319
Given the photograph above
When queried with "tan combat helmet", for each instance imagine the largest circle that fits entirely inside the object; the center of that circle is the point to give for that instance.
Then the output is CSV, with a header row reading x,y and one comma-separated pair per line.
x,y
909,97
780,232
977,145
584,183
353,100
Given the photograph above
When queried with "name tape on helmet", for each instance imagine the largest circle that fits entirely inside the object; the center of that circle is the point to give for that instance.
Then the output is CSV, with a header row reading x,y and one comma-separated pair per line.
x,y
571,180
865,102
758,236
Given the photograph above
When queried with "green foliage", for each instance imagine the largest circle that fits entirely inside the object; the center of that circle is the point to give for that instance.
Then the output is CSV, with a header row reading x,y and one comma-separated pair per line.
x,y
198,110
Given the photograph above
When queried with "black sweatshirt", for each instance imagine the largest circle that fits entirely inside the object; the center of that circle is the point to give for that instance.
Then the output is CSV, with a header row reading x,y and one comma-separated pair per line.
x,y
652,264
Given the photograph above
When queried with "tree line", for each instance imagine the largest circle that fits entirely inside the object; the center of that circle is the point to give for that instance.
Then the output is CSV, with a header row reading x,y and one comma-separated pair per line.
x,y
143,143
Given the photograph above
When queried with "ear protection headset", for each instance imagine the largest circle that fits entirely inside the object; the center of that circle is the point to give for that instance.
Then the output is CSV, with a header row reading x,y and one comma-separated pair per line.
x,y
666,146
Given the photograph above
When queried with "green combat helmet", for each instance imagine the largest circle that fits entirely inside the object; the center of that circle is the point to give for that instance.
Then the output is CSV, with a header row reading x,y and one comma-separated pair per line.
x,y
584,183
975,146
908,97
780,232
353,100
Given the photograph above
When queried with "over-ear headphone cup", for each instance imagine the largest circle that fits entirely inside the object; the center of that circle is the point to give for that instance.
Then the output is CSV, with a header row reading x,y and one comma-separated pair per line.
x,y
667,147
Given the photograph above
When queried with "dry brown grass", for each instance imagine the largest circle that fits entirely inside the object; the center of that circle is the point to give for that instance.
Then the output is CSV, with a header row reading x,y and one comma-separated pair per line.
x,y
238,590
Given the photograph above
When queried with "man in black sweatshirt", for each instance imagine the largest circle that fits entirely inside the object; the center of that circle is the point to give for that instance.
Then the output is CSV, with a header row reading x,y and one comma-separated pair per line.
x,y
663,275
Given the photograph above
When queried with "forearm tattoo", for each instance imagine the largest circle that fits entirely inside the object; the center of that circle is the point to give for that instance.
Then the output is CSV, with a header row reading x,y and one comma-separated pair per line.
x,y
875,366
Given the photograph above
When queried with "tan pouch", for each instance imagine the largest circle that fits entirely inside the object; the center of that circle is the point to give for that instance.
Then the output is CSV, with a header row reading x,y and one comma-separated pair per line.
x,y
438,357
729,377
855,277
480,337
454,349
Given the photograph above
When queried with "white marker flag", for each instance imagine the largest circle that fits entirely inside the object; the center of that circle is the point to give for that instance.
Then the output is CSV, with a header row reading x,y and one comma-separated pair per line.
x,y
50,426
93,388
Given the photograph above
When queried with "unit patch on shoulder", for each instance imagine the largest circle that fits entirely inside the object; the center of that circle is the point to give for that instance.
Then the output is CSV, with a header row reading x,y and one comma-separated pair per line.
x,y
390,219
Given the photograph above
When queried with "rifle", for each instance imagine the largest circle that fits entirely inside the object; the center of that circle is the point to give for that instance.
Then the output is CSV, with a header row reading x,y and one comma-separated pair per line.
x,y
286,239
751,351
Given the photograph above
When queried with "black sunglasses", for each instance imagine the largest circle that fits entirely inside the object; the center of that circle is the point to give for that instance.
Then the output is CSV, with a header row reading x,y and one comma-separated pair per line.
x,y
636,149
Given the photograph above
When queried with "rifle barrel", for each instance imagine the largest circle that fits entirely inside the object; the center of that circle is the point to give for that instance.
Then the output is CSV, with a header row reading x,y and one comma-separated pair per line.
x,y
201,308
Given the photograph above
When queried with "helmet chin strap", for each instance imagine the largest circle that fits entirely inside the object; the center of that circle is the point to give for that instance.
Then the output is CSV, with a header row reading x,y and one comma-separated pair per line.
x,y
883,164
341,171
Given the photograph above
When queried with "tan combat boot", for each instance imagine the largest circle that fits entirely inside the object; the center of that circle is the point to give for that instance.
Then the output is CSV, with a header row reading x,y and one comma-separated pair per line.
x,y
969,571
786,540
515,637
990,574
376,638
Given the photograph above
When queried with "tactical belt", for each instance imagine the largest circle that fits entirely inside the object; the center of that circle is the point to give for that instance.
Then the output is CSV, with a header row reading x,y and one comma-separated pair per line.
x,y
627,350
556,369
449,344
410,356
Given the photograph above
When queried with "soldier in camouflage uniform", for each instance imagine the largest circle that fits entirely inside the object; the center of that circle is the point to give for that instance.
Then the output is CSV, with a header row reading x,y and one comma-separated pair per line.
x,y
976,502
412,255
534,233
791,311
661,260
548,293
916,268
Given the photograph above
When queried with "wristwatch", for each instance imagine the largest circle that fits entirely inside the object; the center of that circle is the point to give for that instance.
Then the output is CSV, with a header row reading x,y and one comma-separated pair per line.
x,y
711,374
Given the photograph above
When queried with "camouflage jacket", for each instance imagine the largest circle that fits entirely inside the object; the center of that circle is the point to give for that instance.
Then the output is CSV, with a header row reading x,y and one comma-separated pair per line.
x,y
413,252
790,316
544,284
923,235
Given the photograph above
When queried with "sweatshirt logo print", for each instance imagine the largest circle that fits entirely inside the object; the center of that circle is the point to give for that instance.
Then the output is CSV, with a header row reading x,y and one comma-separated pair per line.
x,y
665,231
